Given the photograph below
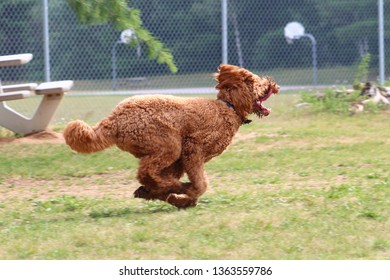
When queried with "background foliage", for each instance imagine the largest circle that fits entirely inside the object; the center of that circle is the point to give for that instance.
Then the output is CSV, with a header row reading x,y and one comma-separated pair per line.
x,y
122,18
344,30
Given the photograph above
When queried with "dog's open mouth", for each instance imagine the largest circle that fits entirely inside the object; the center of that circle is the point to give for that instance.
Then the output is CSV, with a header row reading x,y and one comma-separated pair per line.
x,y
259,109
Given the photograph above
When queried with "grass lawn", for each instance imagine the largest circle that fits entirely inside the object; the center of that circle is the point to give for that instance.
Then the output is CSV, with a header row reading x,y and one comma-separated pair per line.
x,y
339,75
293,185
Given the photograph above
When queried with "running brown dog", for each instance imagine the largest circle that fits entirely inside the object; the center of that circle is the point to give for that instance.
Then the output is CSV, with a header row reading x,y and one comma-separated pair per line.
x,y
174,135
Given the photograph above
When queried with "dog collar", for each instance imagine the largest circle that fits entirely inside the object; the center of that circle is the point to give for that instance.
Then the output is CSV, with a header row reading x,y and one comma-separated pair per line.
x,y
230,105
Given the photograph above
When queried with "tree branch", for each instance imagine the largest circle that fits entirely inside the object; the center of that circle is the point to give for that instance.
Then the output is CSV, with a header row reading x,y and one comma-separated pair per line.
x,y
122,17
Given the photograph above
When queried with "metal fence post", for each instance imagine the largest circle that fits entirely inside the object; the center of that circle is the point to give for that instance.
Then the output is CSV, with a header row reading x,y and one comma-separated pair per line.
x,y
381,44
224,32
46,39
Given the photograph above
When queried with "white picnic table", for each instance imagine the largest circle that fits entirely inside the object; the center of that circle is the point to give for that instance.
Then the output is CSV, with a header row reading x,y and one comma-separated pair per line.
x,y
15,59
51,92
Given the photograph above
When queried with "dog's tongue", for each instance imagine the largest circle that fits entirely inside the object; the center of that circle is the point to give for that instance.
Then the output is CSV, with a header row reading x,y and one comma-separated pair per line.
x,y
264,110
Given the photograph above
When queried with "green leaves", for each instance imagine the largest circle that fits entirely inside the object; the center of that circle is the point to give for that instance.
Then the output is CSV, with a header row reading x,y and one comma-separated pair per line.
x,y
361,74
117,13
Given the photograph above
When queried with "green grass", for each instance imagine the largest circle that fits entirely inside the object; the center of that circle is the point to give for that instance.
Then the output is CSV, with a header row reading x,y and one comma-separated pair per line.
x,y
151,82
293,185
339,75
92,108
88,108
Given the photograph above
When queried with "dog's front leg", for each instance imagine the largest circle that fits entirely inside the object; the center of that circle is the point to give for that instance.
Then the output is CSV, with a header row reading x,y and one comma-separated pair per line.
x,y
194,167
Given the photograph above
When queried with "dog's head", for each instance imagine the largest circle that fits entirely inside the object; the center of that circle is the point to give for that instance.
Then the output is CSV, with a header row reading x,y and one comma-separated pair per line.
x,y
244,90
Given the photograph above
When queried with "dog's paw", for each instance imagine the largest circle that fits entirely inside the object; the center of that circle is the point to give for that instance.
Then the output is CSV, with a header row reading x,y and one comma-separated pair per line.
x,y
142,192
181,200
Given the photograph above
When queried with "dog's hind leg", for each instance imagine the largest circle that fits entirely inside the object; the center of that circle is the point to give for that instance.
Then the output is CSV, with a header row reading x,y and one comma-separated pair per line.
x,y
159,173
169,175
175,170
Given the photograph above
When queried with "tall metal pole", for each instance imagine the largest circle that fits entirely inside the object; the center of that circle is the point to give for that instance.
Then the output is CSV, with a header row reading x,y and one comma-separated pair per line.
x,y
113,60
314,56
46,39
238,41
381,44
224,32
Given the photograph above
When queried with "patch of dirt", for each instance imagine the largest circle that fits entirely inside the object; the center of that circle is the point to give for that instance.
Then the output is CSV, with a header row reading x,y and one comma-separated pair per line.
x,y
47,136
117,184
244,136
252,135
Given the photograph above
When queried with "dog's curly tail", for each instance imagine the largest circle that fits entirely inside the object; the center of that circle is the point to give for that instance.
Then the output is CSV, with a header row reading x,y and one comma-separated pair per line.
x,y
83,138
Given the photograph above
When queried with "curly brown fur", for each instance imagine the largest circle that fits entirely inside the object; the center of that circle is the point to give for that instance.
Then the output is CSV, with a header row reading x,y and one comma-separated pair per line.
x,y
173,135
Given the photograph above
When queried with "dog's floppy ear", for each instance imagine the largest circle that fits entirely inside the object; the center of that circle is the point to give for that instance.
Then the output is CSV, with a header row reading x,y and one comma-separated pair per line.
x,y
228,76
235,85
233,76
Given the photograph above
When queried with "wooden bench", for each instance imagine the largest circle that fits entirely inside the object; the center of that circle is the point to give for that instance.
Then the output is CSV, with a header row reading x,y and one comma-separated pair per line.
x,y
51,92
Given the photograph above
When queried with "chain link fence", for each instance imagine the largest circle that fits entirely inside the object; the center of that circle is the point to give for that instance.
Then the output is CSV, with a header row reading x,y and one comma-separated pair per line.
x,y
100,64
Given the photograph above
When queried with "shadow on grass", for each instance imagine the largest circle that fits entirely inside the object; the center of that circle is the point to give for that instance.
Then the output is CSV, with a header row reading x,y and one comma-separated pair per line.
x,y
214,202
66,204
147,208
71,207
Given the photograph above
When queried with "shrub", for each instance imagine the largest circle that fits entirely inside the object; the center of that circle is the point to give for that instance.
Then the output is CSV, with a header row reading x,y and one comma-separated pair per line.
x,y
333,101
